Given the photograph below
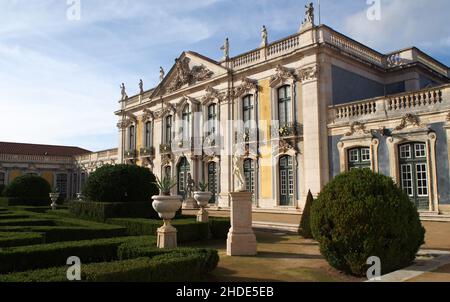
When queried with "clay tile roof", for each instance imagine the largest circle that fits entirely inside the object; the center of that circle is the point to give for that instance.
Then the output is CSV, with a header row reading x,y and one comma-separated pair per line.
x,y
31,149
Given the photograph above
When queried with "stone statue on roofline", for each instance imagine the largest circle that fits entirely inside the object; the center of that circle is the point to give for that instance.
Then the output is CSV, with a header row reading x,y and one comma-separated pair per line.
x,y
308,22
141,86
226,49
123,92
161,74
264,36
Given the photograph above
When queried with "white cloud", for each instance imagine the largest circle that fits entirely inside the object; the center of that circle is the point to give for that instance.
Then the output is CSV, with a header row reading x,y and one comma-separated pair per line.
x,y
404,23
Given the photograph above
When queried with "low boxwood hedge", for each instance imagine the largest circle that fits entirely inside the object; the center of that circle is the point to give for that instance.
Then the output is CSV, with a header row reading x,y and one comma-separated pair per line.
x,y
26,222
101,211
219,227
17,201
13,216
174,266
188,229
50,255
20,239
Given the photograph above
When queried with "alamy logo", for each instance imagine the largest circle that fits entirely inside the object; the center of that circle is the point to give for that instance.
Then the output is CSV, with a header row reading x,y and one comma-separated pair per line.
x,y
374,10
74,10
374,272
74,271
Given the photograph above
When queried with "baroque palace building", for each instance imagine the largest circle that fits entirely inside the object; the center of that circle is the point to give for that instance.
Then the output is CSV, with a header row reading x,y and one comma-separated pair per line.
x,y
304,108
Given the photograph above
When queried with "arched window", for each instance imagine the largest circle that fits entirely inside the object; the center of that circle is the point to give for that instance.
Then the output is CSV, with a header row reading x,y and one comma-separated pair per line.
x,y
168,130
414,173
249,172
359,158
2,178
186,117
286,170
132,137
284,106
149,135
213,181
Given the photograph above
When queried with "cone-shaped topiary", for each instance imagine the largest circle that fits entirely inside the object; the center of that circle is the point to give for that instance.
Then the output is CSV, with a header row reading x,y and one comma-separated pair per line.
x,y
305,223
361,214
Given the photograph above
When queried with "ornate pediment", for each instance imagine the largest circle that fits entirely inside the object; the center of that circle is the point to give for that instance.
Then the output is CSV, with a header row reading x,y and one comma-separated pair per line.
x,y
212,94
185,75
169,109
308,73
357,128
408,121
185,100
281,75
245,87
148,115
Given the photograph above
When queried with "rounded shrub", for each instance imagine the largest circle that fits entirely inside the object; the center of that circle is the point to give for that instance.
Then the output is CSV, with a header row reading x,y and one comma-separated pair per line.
x,y
28,188
121,183
361,214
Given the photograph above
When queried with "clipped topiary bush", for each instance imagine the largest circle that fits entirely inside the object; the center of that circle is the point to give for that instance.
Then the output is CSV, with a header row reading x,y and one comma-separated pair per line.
x,y
28,190
121,183
305,223
361,214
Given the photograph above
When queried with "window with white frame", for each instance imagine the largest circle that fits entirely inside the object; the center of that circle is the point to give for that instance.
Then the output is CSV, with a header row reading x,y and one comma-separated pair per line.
x,y
414,177
168,130
284,106
186,119
359,158
287,182
132,138
148,135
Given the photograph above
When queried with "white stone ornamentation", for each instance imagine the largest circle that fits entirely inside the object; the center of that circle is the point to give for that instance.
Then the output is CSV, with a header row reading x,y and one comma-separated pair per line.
x,y
167,206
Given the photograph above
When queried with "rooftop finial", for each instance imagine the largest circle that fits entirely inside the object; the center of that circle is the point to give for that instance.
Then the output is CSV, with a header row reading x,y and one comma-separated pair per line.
x,y
123,92
141,86
161,74
308,22
264,36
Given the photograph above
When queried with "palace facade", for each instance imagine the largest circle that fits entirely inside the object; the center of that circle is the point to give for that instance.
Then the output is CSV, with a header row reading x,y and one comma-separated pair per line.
x,y
303,109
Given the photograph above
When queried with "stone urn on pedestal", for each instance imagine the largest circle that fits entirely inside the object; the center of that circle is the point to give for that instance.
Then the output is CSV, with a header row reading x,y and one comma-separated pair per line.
x,y
167,206
54,196
203,197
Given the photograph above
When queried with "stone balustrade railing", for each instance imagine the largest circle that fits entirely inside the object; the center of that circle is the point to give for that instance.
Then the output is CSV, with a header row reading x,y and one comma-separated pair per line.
x,y
283,46
104,156
35,158
423,101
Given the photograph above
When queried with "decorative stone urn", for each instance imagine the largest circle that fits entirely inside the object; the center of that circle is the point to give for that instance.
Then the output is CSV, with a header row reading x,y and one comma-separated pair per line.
x,y
54,198
202,199
167,207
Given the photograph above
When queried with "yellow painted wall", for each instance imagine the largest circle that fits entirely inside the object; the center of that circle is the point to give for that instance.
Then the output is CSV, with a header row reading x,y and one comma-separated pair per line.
x,y
48,176
265,114
14,174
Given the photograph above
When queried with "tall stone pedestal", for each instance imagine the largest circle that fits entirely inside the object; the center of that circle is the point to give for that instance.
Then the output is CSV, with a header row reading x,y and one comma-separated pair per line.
x,y
241,238
167,236
190,204
203,215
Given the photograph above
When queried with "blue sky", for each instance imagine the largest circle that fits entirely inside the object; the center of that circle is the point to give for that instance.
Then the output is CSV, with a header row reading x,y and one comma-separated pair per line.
x,y
59,79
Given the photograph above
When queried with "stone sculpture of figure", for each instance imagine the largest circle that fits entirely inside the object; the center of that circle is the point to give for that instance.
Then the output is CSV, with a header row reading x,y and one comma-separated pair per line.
x,y
161,74
238,172
310,13
264,36
190,186
226,49
141,86
123,92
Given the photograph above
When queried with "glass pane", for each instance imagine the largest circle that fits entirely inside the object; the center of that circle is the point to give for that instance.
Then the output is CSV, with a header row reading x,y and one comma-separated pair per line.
x,y
420,150
422,180
353,156
365,154
407,182
405,151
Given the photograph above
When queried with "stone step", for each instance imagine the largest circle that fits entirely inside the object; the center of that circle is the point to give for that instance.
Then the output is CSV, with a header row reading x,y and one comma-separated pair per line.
x,y
276,226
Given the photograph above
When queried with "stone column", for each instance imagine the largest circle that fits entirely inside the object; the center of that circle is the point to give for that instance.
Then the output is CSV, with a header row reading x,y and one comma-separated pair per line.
x,y
241,238
226,179
121,147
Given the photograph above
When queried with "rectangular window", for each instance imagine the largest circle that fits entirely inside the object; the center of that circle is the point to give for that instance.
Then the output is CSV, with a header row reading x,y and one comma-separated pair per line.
x,y
420,150
405,151
422,180
291,182
365,154
354,156
283,183
407,183
61,184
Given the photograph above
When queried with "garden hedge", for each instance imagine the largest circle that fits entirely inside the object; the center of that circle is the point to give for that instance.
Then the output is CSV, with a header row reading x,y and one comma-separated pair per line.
x,y
219,227
121,183
173,266
188,229
20,239
28,190
55,254
101,211
361,214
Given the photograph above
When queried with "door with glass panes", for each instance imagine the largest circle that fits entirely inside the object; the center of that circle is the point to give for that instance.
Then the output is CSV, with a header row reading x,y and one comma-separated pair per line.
x,y
212,181
184,169
286,181
359,158
414,173
249,172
